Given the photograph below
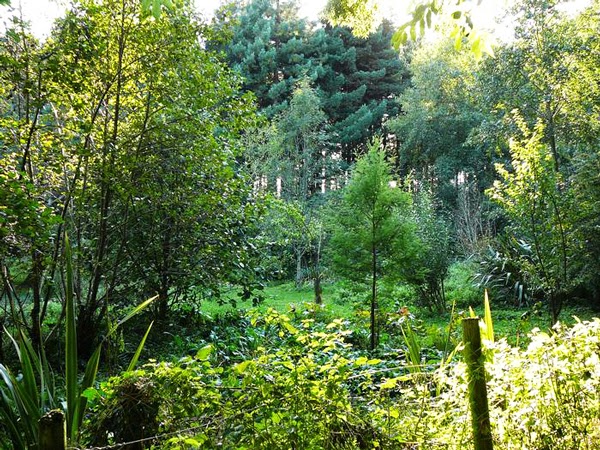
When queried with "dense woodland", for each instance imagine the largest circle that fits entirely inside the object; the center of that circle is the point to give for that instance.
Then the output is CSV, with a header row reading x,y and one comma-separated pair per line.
x,y
155,164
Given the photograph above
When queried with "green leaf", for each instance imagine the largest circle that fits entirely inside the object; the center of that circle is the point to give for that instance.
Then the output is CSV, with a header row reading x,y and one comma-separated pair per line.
x,y
138,351
89,377
489,324
360,361
156,8
242,367
29,382
390,383
204,352
476,48
288,326
90,394
131,314
71,360
419,13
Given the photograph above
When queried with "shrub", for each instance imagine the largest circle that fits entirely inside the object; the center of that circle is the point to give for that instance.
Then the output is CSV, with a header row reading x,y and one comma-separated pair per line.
x,y
293,393
461,288
546,396
303,386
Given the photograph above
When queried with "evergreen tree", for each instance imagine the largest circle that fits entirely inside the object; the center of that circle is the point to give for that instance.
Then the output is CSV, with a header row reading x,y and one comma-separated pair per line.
x,y
357,80
370,91
291,159
372,233
267,50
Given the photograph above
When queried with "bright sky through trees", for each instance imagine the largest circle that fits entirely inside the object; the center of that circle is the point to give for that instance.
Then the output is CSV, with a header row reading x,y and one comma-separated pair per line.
x,y
41,13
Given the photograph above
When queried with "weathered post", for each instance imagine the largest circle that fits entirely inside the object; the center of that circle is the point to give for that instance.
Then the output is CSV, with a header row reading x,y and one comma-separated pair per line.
x,y
480,415
53,431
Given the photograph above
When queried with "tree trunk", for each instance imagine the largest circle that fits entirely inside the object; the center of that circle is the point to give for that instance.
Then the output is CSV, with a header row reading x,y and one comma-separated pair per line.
x,y
551,135
2,325
374,337
163,304
88,330
36,278
317,272
555,306
318,289
299,276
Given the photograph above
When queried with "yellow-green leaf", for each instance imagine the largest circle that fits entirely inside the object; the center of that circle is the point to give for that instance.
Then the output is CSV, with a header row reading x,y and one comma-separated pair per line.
x,y
204,352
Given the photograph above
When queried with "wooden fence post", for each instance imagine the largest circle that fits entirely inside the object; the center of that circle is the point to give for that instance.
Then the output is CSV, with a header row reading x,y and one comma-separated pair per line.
x,y
53,431
480,415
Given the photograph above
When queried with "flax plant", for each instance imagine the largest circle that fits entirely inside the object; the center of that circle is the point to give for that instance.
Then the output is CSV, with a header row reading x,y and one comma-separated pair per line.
x,y
26,396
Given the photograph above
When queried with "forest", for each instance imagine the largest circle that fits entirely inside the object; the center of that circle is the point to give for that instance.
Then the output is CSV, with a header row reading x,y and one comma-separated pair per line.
x,y
261,231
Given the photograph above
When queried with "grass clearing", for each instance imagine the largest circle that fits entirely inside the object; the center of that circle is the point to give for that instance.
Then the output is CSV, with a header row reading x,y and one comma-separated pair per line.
x,y
512,323
285,298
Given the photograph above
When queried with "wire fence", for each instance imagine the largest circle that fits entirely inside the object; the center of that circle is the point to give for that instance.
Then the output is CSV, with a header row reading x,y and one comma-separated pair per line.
x,y
59,443
480,427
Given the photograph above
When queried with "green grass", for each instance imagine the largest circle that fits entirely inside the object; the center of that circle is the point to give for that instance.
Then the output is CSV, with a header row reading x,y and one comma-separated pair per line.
x,y
285,298
511,323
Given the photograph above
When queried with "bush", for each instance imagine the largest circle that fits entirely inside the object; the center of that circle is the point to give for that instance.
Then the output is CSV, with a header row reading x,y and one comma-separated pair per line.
x,y
301,385
461,288
292,393
544,397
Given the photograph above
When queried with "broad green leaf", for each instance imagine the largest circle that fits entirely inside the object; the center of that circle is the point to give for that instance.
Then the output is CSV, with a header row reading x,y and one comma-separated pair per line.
x,y
204,352
458,42
242,367
360,361
390,383
90,394
288,326
476,48
419,13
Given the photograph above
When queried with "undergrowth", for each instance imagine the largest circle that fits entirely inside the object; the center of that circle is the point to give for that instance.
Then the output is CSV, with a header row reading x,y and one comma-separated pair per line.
x,y
294,382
